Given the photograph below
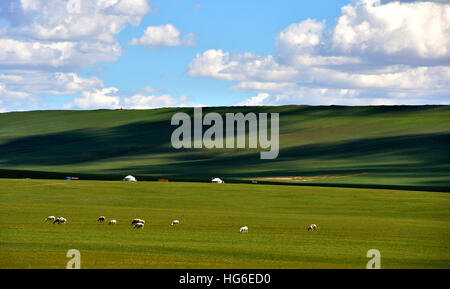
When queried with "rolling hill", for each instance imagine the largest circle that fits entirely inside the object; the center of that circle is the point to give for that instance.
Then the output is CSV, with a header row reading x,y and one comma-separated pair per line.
x,y
403,147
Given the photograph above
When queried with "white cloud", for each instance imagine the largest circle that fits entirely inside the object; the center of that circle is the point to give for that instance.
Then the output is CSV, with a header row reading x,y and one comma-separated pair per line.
x,y
22,88
55,55
260,99
44,43
301,36
48,35
163,35
14,99
400,31
140,101
97,99
37,82
98,20
223,65
299,44
16,95
326,96
260,86
378,52
211,64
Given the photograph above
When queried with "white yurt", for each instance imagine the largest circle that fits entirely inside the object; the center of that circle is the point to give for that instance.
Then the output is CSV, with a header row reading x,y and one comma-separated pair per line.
x,y
217,181
129,178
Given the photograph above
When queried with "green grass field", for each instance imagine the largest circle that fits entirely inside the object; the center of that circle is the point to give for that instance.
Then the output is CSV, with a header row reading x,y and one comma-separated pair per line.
x,y
401,147
370,176
411,229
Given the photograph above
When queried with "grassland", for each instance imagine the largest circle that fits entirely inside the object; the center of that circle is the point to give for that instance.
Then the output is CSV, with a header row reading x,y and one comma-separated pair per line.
x,y
371,177
411,229
386,146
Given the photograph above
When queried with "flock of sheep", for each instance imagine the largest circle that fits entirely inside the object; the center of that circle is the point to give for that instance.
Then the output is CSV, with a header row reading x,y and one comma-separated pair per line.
x,y
60,220
139,223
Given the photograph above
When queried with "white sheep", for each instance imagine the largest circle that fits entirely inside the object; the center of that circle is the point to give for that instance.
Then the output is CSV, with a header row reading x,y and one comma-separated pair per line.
x,y
112,222
50,218
243,229
135,221
60,220
175,222
313,227
139,225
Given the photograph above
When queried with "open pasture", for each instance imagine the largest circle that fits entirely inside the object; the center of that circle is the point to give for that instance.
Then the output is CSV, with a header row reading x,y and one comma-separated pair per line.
x,y
409,228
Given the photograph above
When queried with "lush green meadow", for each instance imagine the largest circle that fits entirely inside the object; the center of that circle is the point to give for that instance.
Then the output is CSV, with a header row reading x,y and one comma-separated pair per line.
x,y
403,147
411,229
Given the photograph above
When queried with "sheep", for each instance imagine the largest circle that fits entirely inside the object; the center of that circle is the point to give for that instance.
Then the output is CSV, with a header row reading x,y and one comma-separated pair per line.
x,y
135,221
243,229
101,219
60,220
50,218
139,225
112,222
313,227
175,222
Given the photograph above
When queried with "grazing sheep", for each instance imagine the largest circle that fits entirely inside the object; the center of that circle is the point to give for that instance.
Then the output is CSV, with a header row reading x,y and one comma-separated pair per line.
x,y
139,225
50,218
136,221
101,219
313,227
112,222
175,222
243,229
60,220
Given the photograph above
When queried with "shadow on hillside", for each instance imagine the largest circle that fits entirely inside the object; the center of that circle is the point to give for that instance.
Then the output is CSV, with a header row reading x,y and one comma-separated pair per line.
x,y
428,153
80,146
411,156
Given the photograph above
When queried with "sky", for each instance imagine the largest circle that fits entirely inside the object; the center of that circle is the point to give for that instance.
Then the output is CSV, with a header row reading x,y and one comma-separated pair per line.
x,y
139,54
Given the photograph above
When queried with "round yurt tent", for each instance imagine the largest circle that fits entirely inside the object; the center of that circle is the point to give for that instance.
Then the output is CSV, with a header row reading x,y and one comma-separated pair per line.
x,y
217,181
129,178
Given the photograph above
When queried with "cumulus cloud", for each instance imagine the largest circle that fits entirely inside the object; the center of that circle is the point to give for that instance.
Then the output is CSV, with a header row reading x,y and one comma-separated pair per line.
x,y
37,82
141,101
22,88
98,98
45,43
223,65
156,37
256,100
16,95
55,20
67,55
402,32
260,86
327,96
48,34
14,99
303,36
110,98
378,52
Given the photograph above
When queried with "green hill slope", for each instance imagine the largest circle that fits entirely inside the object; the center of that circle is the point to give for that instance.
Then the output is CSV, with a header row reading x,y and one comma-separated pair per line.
x,y
328,145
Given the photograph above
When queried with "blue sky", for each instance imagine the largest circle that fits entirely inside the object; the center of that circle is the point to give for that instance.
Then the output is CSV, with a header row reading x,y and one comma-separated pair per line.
x,y
144,54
